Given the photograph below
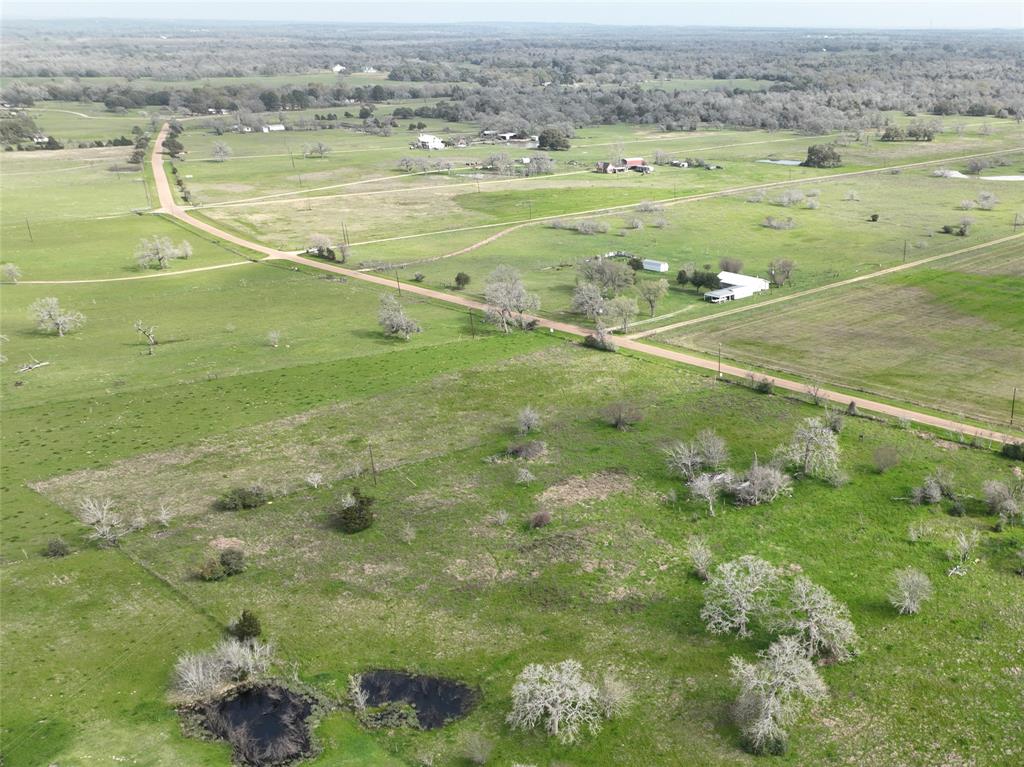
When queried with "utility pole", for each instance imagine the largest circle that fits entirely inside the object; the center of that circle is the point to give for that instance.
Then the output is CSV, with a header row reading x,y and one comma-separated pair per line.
x,y
373,465
398,282
719,359
1013,405
904,251
472,324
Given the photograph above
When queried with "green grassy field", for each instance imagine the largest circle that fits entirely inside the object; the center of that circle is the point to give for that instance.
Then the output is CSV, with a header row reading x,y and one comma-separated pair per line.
x,y
450,580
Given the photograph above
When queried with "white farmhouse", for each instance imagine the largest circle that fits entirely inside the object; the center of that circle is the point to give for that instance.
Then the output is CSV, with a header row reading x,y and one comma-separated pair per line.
x,y
429,141
735,286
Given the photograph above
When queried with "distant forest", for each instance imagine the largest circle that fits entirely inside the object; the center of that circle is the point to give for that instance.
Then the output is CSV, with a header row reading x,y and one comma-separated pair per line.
x,y
526,77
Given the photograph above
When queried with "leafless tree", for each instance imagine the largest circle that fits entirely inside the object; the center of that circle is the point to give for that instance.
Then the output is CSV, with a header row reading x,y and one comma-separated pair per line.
x,y
987,200
623,309
781,269
157,252
730,264
148,332
814,448
819,621
635,223
708,487
559,698
50,317
714,452
220,151
770,693
476,748
1004,500
609,275
684,459
652,291
885,458
622,415
316,149
108,526
911,588
393,320
739,592
11,273
528,420
315,479
699,553
507,298
587,300
319,243
760,484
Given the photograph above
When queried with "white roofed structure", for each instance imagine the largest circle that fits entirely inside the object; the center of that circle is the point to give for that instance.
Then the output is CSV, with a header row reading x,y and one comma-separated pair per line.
x,y
743,280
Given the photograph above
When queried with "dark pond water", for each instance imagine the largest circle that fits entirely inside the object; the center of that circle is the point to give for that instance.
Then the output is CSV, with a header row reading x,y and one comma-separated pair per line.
x,y
266,725
437,701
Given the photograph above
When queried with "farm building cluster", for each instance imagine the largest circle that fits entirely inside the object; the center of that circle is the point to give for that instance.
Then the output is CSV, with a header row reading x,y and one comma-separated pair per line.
x,y
637,164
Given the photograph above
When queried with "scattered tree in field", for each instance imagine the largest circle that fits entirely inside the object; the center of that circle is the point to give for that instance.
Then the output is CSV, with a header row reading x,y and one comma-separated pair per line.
x,y
588,301
1005,500
539,519
820,622
623,309
622,415
507,299
700,556
552,139
600,339
708,487
822,156
220,151
739,592
885,457
316,149
56,548
789,198
392,318
610,276
247,627
238,498
559,698
760,484
780,270
684,459
911,589
50,317
770,693
814,448
963,544
273,338
730,264
353,513
321,245
771,222
148,332
652,291
157,252
461,281
987,200
528,420
11,273
108,527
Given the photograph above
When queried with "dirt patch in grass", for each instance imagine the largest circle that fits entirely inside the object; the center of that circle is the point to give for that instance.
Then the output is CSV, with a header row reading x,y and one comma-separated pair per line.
x,y
220,544
582,490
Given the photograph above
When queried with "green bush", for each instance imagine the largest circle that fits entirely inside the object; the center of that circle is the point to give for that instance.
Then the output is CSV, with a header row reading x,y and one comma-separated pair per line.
x,y
57,547
1014,451
233,561
247,626
211,570
243,498
353,514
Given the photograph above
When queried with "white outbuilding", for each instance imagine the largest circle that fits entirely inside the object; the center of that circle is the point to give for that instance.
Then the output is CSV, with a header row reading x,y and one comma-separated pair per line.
x,y
651,265
735,286
429,141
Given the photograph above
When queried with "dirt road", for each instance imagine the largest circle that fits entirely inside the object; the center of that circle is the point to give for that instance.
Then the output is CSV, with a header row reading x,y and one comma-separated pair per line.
x,y
170,207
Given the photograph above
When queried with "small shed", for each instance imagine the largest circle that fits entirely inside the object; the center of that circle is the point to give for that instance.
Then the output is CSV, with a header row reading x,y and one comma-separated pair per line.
x,y
651,265
273,128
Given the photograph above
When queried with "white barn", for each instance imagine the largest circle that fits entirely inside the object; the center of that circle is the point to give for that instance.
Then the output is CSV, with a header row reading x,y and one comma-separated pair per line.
x,y
651,265
272,128
735,286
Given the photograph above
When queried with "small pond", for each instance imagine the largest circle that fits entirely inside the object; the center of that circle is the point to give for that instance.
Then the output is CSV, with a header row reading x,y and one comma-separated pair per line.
x,y
781,162
266,724
436,700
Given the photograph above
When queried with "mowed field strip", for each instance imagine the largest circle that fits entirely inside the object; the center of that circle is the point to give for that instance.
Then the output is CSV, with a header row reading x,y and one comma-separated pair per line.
x,y
169,206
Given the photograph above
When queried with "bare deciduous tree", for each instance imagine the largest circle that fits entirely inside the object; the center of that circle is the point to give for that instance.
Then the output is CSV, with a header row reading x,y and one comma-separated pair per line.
x,y
652,291
708,487
770,693
760,484
157,252
220,151
559,698
738,592
814,448
699,553
393,320
588,301
11,273
911,588
609,275
623,309
51,317
622,415
148,332
316,149
528,420
507,298
819,621
730,264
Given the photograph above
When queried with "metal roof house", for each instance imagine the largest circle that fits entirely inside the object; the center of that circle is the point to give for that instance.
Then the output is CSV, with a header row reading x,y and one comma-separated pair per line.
x,y
735,286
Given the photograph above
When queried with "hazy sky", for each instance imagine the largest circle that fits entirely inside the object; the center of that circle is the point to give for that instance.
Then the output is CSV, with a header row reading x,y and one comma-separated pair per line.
x,y
918,14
